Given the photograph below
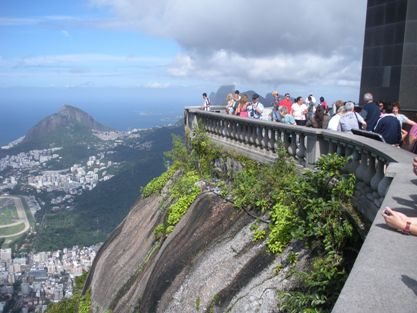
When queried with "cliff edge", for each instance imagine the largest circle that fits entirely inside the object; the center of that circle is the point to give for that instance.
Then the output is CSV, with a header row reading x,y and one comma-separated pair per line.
x,y
209,262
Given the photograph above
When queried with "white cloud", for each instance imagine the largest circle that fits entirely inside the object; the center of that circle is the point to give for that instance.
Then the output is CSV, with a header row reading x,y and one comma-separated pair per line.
x,y
11,21
304,68
157,85
65,60
300,42
65,33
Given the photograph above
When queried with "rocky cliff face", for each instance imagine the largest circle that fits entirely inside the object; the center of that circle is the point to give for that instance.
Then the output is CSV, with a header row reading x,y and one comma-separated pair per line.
x,y
209,263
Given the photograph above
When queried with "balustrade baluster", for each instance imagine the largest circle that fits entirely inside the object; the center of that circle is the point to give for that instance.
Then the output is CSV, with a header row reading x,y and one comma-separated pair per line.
x,y
293,145
301,151
263,140
340,148
360,170
354,161
379,174
370,169
383,185
331,147
271,140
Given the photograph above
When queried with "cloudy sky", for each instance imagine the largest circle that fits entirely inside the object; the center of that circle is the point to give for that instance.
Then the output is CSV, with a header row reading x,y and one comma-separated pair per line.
x,y
183,46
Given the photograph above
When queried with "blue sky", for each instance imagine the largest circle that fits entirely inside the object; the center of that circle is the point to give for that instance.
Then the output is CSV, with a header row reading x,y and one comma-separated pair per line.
x,y
180,48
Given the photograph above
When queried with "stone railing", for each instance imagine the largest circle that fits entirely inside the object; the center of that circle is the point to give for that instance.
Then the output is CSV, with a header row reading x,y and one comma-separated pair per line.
x,y
384,277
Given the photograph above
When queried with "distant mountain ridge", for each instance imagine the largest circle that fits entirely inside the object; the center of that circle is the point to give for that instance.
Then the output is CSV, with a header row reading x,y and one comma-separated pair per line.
x,y
62,126
219,97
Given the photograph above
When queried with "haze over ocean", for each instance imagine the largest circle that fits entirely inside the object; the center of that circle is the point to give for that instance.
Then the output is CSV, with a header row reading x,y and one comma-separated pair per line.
x,y
19,114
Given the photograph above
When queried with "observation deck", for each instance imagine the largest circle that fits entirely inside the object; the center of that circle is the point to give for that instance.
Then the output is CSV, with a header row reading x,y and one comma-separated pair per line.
x,y
384,276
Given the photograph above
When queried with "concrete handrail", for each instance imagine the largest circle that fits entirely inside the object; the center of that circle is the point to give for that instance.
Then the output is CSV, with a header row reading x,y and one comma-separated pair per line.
x,y
384,276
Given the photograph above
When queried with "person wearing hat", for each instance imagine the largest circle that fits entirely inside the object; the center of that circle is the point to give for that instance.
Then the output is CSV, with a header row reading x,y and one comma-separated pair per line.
x,y
256,108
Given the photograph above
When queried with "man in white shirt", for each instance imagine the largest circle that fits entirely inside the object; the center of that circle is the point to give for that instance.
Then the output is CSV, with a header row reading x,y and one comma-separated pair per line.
x,y
256,108
334,121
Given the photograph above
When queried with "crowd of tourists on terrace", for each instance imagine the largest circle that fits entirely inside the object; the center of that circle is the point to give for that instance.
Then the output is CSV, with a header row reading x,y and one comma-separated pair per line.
x,y
374,117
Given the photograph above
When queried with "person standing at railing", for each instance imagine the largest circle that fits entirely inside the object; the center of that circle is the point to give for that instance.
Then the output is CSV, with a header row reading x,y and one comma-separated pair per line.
x,y
236,99
285,117
335,107
229,104
389,127
320,119
412,139
287,102
275,106
351,120
206,103
402,119
334,121
242,109
370,111
299,111
255,108
323,103
311,104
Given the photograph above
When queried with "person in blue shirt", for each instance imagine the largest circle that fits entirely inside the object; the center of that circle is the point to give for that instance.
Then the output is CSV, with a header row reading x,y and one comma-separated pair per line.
x,y
370,111
285,117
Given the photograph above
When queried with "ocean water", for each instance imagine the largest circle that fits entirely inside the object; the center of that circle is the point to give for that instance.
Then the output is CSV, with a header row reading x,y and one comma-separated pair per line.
x,y
16,118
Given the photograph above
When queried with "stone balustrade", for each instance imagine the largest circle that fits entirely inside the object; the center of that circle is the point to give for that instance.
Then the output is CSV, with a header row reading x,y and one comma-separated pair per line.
x,y
387,262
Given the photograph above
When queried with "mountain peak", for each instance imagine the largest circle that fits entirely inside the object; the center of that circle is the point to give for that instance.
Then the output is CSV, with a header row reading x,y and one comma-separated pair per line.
x,y
67,121
68,107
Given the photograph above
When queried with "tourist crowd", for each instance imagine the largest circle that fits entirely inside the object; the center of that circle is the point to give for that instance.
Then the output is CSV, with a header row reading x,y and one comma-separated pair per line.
x,y
373,118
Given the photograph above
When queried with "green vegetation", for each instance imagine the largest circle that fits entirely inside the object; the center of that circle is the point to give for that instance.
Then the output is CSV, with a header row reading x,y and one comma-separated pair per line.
x,y
258,233
8,212
197,303
182,194
77,303
156,184
97,212
5,231
29,215
307,206
185,192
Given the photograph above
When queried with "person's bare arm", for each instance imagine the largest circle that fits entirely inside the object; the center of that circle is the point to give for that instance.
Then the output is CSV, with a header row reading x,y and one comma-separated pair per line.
x,y
399,221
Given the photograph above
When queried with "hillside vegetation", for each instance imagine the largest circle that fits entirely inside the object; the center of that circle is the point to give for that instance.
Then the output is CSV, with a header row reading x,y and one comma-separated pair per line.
x,y
300,224
100,210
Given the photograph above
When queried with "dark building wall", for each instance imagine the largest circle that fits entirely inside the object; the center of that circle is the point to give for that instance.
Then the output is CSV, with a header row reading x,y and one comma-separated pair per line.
x,y
389,66
408,85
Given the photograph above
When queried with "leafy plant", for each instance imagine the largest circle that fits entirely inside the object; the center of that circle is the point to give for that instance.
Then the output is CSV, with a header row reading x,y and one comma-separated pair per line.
x,y
185,191
156,184
159,231
258,233
197,303
282,223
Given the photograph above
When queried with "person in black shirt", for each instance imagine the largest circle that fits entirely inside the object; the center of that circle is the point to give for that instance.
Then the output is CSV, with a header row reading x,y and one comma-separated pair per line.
x,y
389,127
